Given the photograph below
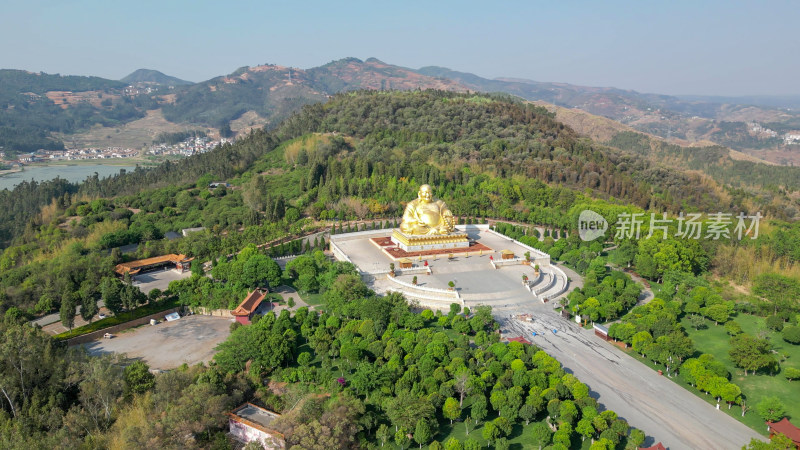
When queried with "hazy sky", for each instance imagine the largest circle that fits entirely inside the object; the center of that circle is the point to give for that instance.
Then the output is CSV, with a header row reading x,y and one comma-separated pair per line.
x,y
676,47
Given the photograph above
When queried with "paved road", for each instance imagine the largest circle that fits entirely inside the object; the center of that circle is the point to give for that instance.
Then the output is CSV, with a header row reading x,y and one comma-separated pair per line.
x,y
662,409
146,282
56,317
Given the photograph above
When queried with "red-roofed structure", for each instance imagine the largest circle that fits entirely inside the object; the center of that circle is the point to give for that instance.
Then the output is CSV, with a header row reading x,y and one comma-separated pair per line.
x,y
658,446
786,428
181,262
520,339
245,311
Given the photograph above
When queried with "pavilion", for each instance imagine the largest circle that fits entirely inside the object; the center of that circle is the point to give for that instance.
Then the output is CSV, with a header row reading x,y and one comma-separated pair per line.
x,y
247,309
786,428
180,262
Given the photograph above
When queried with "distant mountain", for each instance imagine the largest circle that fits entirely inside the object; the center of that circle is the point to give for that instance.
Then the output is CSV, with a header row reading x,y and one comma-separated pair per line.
x,y
252,97
754,125
154,76
770,101
273,92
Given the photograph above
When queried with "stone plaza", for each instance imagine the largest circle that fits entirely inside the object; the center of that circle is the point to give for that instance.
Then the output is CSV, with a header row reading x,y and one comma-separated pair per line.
x,y
480,277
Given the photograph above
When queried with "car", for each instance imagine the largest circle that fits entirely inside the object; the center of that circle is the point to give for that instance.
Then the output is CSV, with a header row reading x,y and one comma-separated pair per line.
x,y
101,316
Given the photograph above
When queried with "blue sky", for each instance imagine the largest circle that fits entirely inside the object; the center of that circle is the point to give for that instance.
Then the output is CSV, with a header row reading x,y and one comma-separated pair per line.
x,y
678,47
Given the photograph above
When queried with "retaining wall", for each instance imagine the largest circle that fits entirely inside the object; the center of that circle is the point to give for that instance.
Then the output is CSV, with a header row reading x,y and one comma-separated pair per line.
x,y
94,335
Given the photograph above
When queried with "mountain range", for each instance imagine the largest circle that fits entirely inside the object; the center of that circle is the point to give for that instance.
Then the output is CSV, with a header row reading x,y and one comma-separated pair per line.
x,y
264,95
155,77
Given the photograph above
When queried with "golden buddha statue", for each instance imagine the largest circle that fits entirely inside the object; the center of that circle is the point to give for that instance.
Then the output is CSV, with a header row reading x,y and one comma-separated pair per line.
x,y
426,216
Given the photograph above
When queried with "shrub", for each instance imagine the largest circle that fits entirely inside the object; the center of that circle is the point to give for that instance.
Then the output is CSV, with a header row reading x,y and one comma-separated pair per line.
x,y
791,373
791,334
775,323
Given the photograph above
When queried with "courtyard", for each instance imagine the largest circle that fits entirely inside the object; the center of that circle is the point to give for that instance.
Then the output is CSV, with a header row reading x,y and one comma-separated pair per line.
x,y
160,279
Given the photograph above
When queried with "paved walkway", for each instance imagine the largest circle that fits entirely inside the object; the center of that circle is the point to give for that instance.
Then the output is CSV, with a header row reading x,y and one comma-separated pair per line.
x,y
56,317
287,292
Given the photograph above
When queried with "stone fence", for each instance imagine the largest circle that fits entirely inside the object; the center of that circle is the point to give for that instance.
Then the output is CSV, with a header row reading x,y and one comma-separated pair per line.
x,y
537,256
566,281
212,312
446,292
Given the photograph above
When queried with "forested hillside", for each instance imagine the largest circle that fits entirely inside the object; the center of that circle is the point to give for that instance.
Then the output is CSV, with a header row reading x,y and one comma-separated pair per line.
x,y
724,121
431,136
360,156
28,114
274,92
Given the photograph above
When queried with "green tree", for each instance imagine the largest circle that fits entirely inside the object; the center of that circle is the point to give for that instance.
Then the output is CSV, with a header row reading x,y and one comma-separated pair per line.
x,y
479,408
791,373
110,291
540,434
472,444
138,378
731,393
422,432
197,268
451,409
699,322
88,308
602,444
67,312
585,428
791,334
640,341
383,434
733,328
527,412
771,408
453,444
490,432
636,437
750,353
718,313
401,438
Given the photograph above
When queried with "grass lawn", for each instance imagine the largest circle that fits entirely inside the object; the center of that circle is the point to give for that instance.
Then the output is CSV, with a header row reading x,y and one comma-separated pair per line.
x,y
520,437
714,340
312,299
751,419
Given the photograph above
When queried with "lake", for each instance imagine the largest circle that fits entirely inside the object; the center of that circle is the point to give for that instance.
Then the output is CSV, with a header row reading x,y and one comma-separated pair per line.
x,y
74,173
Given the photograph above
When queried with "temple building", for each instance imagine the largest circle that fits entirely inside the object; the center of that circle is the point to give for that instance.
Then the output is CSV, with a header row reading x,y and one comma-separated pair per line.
x,y
247,309
249,423
178,262
787,429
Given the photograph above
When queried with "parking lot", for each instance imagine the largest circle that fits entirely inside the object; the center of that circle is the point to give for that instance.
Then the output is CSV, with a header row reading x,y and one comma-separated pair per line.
x,y
167,345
